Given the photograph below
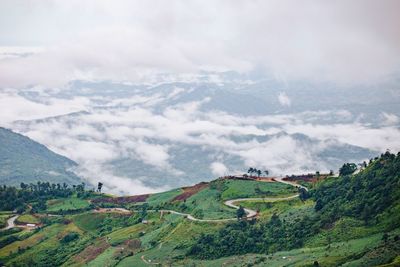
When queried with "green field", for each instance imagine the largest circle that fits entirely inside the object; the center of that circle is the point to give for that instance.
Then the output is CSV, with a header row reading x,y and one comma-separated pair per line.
x,y
159,198
209,204
246,189
68,204
27,218
89,221
4,217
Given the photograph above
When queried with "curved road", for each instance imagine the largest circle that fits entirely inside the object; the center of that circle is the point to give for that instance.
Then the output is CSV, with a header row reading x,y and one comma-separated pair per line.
x,y
10,222
249,213
230,203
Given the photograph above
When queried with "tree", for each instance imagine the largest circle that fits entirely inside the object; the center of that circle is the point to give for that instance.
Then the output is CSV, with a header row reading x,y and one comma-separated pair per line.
x,y
385,237
99,186
347,169
240,213
251,170
303,194
143,212
258,173
266,172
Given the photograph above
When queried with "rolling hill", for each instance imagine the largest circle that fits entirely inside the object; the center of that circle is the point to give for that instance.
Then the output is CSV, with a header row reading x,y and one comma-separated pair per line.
x,y
350,220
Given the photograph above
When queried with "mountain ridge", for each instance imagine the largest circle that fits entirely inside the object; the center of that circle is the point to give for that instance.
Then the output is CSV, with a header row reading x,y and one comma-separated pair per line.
x,y
25,160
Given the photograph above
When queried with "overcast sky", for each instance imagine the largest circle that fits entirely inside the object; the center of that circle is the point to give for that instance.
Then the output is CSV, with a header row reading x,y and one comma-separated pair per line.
x,y
339,41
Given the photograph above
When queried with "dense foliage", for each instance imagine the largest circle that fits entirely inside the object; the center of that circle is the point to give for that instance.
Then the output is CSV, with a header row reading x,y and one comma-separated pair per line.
x,y
250,237
347,169
12,198
362,196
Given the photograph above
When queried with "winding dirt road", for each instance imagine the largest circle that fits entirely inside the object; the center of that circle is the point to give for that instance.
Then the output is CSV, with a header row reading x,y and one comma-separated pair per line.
x,y
231,203
10,223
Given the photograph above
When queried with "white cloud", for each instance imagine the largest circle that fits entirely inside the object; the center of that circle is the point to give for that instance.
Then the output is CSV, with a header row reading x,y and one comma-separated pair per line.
x,y
390,119
284,99
128,128
218,169
15,107
339,41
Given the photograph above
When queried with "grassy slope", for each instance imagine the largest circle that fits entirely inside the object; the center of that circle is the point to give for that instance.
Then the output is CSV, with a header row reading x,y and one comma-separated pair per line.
x,y
66,204
337,253
24,160
208,203
166,239
27,218
246,189
4,217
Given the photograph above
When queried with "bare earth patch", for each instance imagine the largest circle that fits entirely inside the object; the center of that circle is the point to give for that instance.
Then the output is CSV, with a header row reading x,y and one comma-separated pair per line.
x,y
190,191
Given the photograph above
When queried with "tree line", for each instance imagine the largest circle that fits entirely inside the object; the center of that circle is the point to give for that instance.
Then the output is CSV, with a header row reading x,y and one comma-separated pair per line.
x,y
258,172
13,198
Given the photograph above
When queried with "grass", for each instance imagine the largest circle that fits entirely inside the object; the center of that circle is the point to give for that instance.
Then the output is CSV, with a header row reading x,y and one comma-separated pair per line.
x,y
245,189
66,204
104,259
37,247
342,230
126,233
14,247
159,198
33,240
286,209
89,221
3,219
27,218
209,202
334,255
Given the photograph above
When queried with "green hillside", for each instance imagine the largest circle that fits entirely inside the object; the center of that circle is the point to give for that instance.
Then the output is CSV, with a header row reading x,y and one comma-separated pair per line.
x,y
24,160
350,220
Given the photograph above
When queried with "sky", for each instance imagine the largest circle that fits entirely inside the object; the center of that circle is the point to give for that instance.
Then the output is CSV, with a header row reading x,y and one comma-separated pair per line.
x,y
339,41
44,45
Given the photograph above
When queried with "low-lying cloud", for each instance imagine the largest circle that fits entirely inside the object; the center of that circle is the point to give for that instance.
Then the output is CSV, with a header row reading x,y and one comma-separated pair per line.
x,y
131,129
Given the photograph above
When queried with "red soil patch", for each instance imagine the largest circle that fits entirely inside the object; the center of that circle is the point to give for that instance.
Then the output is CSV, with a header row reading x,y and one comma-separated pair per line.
x,y
91,252
122,200
190,191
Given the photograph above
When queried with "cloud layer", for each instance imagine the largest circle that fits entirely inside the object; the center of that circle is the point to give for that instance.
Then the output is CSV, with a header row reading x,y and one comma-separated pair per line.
x,y
339,41
144,142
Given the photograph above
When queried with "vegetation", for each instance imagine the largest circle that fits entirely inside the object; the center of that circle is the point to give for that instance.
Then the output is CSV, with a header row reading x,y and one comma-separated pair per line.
x,y
372,196
12,198
24,160
27,218
350,220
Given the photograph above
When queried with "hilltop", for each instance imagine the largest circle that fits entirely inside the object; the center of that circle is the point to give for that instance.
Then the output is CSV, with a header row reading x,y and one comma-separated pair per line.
x,y
350,220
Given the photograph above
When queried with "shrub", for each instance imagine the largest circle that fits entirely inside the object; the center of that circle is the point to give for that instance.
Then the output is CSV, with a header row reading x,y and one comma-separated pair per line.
x,y
70,237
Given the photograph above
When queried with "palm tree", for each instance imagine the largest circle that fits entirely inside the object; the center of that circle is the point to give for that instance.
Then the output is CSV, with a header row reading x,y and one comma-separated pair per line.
x,y
258,173
251,170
